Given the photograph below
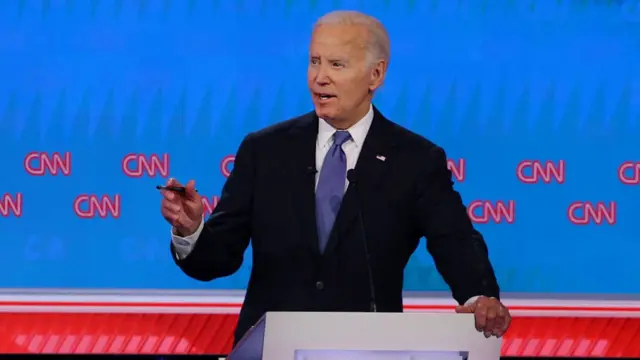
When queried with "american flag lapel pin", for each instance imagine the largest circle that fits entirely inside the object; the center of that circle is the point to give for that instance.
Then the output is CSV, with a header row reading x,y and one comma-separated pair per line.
x,y
381,158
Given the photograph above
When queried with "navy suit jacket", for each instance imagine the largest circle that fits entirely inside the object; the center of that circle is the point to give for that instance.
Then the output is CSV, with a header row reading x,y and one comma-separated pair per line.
x,y
269,200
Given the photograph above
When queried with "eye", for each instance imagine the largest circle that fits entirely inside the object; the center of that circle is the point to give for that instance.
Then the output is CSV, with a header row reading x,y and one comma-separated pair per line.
x,y
315,61
337,64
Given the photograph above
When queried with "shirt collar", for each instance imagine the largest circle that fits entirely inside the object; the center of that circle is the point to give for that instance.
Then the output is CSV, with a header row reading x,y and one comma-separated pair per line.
x,y
358,131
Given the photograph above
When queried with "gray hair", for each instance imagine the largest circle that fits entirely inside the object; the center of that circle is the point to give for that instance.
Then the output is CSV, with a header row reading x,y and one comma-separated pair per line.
x,y
377,43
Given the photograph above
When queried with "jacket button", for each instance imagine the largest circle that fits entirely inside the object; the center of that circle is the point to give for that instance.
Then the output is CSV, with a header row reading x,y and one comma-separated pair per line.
x,y
319,285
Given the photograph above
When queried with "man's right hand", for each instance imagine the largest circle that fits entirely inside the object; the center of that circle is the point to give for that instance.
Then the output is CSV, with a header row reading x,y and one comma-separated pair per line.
x,y
182,211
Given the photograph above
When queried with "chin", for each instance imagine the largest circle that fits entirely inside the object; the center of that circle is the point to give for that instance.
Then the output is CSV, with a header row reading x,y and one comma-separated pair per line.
x,y
326,114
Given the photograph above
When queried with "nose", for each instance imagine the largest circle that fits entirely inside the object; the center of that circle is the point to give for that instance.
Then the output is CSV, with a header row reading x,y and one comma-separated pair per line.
x,y
322,76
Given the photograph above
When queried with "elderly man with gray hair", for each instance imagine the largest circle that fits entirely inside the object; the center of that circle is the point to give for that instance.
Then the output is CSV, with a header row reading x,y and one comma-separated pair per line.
x,y
334,202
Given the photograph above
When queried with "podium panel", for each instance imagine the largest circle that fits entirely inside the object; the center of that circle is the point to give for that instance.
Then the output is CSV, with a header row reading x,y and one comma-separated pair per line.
x,y
377,355
377,336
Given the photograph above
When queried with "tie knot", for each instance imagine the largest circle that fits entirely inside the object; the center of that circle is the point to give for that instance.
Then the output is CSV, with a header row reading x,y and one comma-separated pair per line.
x,y
340,137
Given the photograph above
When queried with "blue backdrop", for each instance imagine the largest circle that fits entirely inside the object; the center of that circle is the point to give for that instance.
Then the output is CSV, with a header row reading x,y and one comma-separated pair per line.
x,y
503,86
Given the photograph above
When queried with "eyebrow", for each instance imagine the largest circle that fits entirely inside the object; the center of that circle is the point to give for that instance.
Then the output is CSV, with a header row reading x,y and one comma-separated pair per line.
x,y
330,58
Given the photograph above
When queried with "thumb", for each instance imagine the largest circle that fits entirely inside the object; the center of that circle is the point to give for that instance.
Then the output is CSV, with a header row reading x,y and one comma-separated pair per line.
x,y
190,190
464,309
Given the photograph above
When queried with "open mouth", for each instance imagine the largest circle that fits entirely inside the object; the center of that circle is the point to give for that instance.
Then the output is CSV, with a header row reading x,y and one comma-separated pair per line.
x,y
324,96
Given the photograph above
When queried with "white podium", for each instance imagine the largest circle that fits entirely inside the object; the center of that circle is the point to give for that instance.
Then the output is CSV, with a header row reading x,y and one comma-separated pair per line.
x,y
371,336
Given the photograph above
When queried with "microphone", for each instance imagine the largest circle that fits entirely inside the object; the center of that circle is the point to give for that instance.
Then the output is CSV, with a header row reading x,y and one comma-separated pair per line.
x,y
353,179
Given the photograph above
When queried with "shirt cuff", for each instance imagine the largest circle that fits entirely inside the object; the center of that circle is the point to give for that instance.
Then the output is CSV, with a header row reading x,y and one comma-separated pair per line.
x,y
184,245
471,300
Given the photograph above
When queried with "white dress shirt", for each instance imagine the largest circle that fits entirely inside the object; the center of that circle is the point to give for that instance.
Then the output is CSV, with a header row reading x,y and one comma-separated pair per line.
x,y
324,141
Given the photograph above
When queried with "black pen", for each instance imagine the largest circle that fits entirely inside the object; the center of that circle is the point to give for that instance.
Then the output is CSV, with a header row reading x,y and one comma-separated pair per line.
x,y
178,189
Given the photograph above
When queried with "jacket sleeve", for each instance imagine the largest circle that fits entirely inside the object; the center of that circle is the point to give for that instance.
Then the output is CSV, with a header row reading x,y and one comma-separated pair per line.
x,y
219,250
458,249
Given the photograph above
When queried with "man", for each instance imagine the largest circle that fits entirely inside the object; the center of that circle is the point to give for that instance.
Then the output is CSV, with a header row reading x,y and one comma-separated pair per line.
x,y
322,240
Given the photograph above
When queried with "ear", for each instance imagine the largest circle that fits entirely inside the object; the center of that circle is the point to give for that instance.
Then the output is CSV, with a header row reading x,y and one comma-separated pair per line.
x,y
378,72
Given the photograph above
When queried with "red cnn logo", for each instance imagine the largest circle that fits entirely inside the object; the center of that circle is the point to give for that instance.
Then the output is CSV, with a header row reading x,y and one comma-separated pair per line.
x,y
458,169
584,213
226,165
41,163
11,205
629,173
88,206
138,165
484,212
535,171
209,204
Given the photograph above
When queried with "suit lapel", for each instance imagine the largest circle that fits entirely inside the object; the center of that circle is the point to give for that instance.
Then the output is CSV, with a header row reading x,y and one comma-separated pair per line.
x,y
303,161
369,169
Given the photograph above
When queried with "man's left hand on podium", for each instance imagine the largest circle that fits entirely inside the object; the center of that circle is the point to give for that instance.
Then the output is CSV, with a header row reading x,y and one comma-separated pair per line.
x,y
492,318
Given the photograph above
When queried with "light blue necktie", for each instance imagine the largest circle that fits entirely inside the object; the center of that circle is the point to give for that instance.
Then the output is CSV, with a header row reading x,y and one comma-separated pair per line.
x,y
330,188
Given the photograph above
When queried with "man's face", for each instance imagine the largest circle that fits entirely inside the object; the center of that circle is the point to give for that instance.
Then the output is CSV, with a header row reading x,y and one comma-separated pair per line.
x,y
339,76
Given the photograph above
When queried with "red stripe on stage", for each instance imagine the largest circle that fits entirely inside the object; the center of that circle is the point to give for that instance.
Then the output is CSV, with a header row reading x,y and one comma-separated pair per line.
x,y
126,333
